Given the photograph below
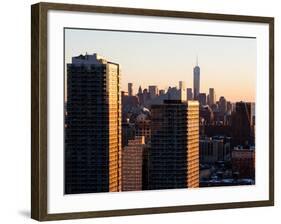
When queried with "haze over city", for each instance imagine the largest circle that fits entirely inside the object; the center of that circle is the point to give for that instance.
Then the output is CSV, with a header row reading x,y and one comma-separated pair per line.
x,y
227,64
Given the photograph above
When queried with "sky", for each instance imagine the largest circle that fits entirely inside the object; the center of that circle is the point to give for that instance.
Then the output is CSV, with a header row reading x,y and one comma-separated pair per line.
x,y
228,64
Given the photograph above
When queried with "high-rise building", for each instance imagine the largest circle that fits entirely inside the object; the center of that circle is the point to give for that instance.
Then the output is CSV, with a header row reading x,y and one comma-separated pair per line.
x,y
132,164
189,95
202,99
213,150
153,91
212,98
242,124
92,126
130,89
196,81
182,85
222,105
243,162
174,93
182,89
173,157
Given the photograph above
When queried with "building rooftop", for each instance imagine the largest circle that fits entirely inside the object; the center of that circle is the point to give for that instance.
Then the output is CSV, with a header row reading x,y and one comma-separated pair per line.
x,y
89,59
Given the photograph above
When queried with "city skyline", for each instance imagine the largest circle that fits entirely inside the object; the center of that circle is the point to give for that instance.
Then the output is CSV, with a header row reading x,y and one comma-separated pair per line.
x,y
234,62
116,141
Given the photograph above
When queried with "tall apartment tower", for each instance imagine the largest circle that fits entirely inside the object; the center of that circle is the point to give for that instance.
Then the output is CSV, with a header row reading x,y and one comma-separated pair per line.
x,y
92,126
173,157
212,98
196,81
130,89
153,91
242,124
132,164
222,104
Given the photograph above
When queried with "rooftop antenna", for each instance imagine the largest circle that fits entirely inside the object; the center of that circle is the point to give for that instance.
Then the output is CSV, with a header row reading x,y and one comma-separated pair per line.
x,y
196,60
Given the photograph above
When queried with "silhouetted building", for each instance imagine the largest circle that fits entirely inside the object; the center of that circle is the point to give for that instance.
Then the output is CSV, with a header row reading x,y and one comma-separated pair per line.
x,y
202,99
196,81
243,162
222,105
129,103
212,97
173,159
92,126
132,164
207,114
189,95
140,96
146,97
242,124
174,93
153,91
130,89
213,150
161,92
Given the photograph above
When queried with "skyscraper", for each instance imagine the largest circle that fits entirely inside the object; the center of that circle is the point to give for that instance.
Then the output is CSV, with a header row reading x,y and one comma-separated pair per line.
x,y
182,89
132,164
130,89
202,99
174,93
212,99
243,162
173,158
222,105
153,91
189,95
242,124
196,81
92,126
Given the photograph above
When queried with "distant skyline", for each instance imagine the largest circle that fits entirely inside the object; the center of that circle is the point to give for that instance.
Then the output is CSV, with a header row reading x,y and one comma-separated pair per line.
x,y
227,64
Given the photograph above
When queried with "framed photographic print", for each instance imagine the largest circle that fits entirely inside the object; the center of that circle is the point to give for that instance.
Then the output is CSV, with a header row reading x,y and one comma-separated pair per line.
x,y
141,111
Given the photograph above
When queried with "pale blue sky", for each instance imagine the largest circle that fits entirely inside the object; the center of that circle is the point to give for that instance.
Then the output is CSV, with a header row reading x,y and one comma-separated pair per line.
x,y
227,64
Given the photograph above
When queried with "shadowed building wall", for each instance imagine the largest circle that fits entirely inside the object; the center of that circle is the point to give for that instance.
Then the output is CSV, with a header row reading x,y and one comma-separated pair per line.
x,y
173,158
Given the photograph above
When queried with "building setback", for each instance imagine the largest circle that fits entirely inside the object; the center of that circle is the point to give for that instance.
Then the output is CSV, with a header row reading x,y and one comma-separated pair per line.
x,y
132,164
173,158
92,126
